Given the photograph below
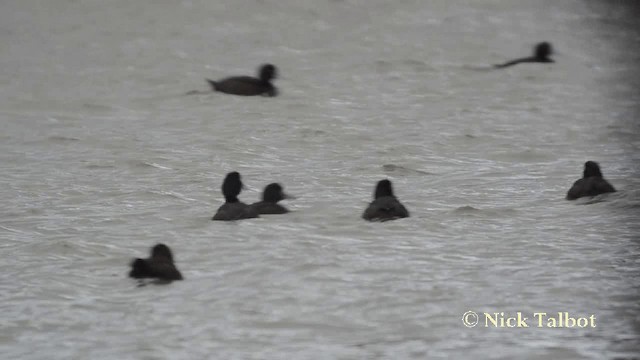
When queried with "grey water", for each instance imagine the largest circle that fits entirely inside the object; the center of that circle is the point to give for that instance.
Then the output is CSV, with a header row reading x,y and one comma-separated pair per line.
x,y
102,155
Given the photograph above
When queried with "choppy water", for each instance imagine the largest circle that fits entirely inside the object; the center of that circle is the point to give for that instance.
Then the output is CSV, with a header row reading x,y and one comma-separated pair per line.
x,y
102,156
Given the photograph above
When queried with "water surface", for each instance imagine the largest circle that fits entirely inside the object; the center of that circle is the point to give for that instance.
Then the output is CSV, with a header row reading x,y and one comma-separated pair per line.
x,y
102,156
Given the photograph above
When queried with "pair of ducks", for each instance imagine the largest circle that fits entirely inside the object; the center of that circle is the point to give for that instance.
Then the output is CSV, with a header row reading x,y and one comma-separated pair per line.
x,y
385,206
234,209
261,85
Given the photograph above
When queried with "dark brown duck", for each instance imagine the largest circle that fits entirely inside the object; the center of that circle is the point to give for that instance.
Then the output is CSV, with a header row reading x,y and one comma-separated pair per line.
x,y
159,266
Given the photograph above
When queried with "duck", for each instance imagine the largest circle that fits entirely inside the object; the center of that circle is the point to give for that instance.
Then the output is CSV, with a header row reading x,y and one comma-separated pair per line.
x,y
385,206
233,209
541,54
270,196
248,85
591,184
159,266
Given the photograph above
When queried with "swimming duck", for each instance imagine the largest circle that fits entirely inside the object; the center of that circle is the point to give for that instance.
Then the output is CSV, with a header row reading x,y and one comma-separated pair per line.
x,y
270,196
541,54
233,209
247,85
591,184
160,265
385,206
